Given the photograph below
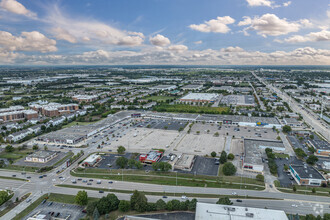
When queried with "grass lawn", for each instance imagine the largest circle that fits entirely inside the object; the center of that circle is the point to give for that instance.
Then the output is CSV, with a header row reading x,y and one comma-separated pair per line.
x,y
70,154
77,123
12,178
283,156
191,109
308,192
169,179
159,98
13,205
16,155
191,195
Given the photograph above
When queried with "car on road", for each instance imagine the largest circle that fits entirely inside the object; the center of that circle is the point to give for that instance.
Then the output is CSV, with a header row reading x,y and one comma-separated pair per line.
x,y
184,197
110,182
234,193
13,175
28,177
41,177
28,200
271,186
164,197
51,203
43,201
239,200
101,191
294,205
84,181
89,184
91,180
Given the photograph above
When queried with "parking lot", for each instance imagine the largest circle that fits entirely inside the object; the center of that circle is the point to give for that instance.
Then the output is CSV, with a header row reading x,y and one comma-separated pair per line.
x,y
109,161
161,124
64,210
203,166
285,178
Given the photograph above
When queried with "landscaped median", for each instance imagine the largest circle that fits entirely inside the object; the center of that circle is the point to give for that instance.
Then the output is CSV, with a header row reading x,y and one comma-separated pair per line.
x,y
170,178
13,205
191,195
318,191
13,178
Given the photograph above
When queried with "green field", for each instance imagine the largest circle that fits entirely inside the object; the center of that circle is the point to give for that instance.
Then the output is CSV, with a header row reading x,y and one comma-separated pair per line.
x,y
16,155
12,178
283,156
159,98
191,109
77,123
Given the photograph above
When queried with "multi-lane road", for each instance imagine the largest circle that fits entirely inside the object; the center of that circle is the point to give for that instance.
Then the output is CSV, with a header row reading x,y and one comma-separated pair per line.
x,y
309,118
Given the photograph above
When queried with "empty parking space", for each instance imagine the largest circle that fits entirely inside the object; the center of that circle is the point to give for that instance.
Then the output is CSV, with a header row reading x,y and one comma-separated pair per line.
x,y
60,210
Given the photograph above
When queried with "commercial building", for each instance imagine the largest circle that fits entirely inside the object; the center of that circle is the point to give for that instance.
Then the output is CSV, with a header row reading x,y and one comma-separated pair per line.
x,y
192,87
164,87
215,212
91,160
254,152
151,157
196,98
322,148
71,135
185,162
54,109
238,100
307,175
85,98
42,156
293,122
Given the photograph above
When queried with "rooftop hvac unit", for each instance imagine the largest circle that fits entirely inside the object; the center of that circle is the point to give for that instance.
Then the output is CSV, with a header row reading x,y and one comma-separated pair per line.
x,y
310,175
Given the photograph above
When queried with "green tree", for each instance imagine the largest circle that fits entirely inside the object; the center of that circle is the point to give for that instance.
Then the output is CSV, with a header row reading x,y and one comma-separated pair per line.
x,y
223,157
311,136
213,154
121,150
4,196
131,163
229,169
45,148
286,167
124,206
192,204
294,188
35,147
122,162
300,153
260,177
231,156
160,204
81,198
312,159
216,134
139,201
224,201
286,129
9,149
198,132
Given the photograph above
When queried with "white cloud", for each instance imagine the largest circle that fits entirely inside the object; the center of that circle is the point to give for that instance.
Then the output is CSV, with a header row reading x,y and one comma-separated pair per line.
x,y
89,31
159,40
232,49
152,55
178,48
267,3
15,7
219,25
270,24
323,35
198,42
28,41
61,34
259,3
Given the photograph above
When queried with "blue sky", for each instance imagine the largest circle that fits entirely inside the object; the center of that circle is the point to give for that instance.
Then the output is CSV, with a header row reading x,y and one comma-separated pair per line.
x,y
165,32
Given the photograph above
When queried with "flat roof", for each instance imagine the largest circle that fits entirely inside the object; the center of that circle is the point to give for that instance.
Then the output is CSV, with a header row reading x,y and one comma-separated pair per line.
x,y
200,96
230,212
254,150
192,86
307,172
320,144
42,154
185,160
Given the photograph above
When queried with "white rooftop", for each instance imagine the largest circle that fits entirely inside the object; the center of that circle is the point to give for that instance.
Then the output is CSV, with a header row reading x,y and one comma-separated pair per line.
x,y
214,212
201,96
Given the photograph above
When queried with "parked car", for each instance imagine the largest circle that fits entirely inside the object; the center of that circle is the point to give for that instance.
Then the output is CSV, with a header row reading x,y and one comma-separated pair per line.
x,y
238,200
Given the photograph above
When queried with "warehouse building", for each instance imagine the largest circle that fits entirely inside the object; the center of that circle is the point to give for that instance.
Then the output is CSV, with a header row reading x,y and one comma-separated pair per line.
x,y
197,98
164,87
254,152
192,87
307,175
238,100
42,156
293,122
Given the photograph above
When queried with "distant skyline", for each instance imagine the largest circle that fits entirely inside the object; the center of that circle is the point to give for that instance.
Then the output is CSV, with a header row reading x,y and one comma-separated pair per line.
x,y
165,32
